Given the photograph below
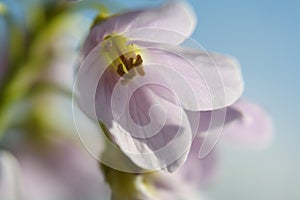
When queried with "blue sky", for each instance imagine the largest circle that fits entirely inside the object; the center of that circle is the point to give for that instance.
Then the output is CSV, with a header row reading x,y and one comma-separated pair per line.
x,y
264,36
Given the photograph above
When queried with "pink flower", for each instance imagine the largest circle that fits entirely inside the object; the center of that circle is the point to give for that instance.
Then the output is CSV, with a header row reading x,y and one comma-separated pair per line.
x,y
141,85
60,170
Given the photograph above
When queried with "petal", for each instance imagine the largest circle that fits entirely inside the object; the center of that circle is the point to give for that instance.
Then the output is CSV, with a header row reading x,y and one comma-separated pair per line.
x,y
9,175
204,121
198,171
208,126
103,98
159,151
177,17
61,171
201,80
254,129
93,78
145,107
148,122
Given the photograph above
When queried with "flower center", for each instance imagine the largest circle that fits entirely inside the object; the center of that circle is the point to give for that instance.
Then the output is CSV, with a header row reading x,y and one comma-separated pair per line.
x,y
127,63
125,58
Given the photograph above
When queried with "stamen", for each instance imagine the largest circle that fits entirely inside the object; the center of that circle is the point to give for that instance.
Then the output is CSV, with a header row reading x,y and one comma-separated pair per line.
x,y
138,60
120,70
124,60
124,68
131,64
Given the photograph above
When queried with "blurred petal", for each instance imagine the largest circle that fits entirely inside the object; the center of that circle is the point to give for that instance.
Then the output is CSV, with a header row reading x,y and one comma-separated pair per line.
x,y
60,171
9,177
254,129
208,127
198,171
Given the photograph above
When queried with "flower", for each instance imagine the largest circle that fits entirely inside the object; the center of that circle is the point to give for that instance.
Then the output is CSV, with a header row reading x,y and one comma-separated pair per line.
x,y
141,85
58,170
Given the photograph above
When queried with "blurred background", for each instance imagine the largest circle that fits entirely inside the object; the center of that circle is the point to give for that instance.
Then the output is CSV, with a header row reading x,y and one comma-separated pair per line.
x,y
264,37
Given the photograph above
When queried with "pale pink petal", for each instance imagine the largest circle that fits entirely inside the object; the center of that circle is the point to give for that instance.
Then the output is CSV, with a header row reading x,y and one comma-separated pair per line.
x,y
254,129
159,151
103,97
94,78
208,126
150,126
196,171
202,122
9,177
201,80
177,17
60,171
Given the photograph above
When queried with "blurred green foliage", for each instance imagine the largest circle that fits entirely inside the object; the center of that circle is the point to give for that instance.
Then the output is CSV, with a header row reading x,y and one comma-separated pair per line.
x,y
31,29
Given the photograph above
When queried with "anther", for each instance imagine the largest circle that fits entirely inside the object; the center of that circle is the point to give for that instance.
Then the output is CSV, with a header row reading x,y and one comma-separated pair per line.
x,y
124,60
120,70
125,68
138,60
131,63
